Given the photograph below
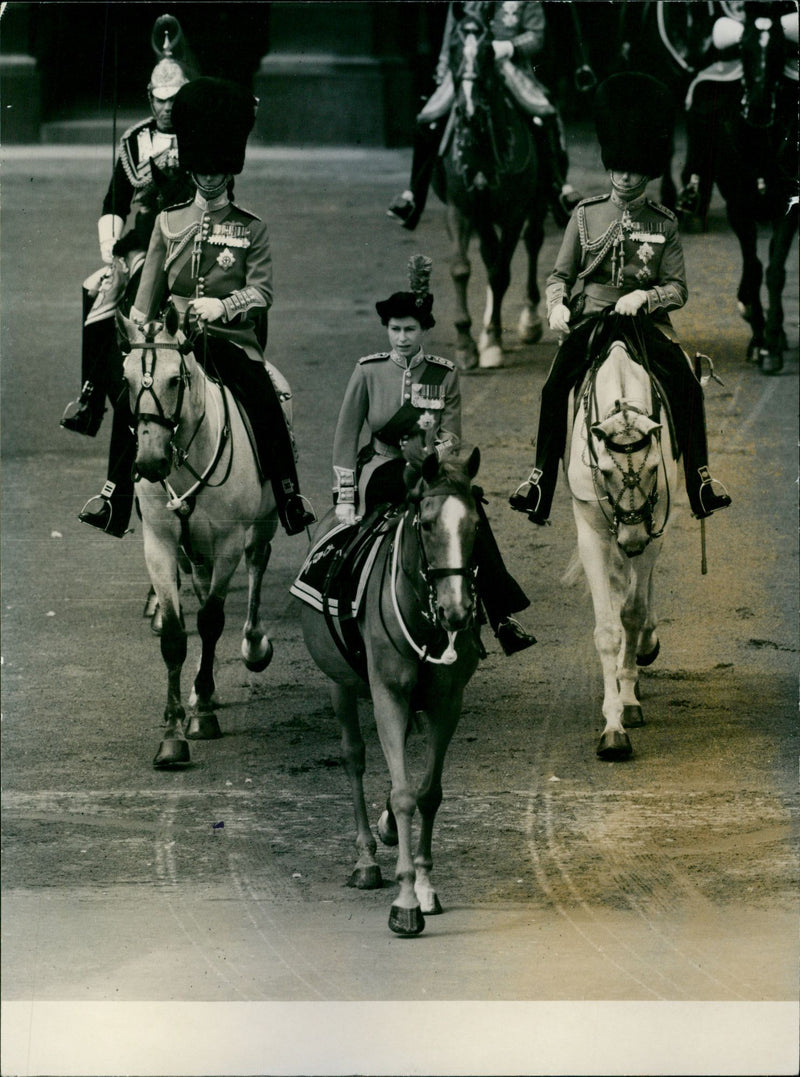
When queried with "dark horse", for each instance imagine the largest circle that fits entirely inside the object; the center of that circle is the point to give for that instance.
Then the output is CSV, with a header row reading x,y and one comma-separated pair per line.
x,y
488,176
754,157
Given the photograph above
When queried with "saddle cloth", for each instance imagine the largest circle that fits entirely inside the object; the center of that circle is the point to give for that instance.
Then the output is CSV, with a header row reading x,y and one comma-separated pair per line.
x,y
339,563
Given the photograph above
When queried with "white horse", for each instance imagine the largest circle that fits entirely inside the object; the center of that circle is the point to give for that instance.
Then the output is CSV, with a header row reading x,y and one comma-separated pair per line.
x,y
200,495
621,471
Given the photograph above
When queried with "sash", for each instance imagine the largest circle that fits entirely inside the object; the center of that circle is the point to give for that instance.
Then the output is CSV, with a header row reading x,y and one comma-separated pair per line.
x,y
406,419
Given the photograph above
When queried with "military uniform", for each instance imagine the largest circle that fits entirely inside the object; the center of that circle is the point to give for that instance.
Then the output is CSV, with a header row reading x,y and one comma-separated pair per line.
x,y
380,386
614,246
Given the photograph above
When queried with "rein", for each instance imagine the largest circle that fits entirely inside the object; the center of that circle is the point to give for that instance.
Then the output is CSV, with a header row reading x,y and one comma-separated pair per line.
x,y
181,503
429,575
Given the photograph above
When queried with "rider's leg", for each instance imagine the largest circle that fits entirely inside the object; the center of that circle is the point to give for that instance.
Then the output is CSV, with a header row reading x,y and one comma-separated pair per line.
x,y
563,196
685,394
499,592
408,206
110,510
697,174
568,367
84,415
251,383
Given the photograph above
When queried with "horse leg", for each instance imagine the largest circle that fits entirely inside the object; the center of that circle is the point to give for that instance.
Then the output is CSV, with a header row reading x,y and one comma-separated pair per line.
x,y
203,724
256,644
633,615
774,337
496,256
440,729
530,326
648,645
460,270
162,566
392,710
749,292
596,552
344,697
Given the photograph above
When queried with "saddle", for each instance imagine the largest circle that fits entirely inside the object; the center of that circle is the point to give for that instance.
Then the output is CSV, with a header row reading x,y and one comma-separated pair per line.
x,y
334,576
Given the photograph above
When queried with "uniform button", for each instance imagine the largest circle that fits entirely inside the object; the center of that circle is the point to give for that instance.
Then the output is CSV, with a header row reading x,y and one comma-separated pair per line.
x,y
408,396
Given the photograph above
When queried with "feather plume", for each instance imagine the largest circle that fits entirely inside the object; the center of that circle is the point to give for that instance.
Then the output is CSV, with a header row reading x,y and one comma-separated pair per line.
x,y
419,275
167,37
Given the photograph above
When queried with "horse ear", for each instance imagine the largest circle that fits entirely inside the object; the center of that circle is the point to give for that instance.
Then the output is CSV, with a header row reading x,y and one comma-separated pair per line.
x,y
474,462
430,468
172,320
125,328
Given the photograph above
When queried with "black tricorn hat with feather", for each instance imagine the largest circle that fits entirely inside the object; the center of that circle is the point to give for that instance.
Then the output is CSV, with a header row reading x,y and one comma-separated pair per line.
x,y
416,303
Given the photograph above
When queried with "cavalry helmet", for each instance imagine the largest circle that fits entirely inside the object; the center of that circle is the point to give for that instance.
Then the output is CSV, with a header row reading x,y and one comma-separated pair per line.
x,y
212,119
634,117
416,303
168,75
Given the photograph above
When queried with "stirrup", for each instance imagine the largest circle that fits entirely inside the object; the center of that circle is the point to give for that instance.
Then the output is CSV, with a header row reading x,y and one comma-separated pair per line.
x,y
524,502
78,415
712,494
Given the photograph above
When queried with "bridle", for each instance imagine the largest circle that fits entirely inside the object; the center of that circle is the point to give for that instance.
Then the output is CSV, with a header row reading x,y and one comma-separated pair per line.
x,y
149,349
429,574
631,478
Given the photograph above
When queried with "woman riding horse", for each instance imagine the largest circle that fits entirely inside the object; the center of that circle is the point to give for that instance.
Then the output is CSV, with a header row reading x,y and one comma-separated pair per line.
x,y
518,36
214,260
398,395
622,250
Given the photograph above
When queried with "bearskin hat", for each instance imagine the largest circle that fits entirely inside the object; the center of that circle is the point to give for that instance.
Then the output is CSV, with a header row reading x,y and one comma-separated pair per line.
x,y
212,119
416,303
634,119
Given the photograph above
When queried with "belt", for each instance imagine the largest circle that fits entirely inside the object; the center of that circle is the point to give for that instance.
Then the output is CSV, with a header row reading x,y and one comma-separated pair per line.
x,y
605,293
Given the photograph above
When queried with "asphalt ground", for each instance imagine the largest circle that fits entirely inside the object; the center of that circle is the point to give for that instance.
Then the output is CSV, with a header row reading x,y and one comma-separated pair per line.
x,y
598,919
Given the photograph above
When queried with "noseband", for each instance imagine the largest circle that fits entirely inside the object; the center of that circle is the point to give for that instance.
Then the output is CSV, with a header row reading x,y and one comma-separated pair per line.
x,y
148,348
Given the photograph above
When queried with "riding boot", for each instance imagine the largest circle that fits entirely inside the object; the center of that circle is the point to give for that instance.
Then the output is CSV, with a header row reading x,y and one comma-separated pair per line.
x,y
426,149
563,196
110,510
499,592
252,385
84,415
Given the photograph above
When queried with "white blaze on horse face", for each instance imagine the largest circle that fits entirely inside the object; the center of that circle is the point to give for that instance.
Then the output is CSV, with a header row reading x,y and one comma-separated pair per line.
x,y
450,547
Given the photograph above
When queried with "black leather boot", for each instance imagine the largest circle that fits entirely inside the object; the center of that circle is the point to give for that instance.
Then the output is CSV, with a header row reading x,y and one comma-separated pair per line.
x,y
107,513
530,502
513,637
706,499
83,416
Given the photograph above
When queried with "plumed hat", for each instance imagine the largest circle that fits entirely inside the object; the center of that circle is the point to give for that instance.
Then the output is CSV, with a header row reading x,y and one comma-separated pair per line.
x,y
634,119
416,303
212,119
169,74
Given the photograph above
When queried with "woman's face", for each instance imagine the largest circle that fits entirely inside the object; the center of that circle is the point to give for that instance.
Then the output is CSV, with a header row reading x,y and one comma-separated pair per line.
x,y
629,184
405,336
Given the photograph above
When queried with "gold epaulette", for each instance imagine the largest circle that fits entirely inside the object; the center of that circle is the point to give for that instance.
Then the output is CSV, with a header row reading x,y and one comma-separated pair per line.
x,y
441,361
246,212
375,355
593,198
657,206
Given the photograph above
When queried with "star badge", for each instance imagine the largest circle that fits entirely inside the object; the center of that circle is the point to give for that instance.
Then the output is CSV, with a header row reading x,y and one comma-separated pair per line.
x,y
225,259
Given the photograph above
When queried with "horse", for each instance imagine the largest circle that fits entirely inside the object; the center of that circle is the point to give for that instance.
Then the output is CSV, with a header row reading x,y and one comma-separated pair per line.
x,y
417,624
754,158
202,502
488,176
621,470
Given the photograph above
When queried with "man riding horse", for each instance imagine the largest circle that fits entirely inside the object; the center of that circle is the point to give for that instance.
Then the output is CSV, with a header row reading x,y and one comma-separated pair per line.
x,y
146,170
622,251
518,35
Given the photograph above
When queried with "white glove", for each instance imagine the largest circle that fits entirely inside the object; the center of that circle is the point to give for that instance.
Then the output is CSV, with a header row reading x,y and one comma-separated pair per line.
x,y
137,316
207,309
109,229
503,50
346,513
559,319
630,303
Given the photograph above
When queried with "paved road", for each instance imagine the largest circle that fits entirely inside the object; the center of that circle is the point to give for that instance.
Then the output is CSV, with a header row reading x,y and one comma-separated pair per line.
x,y
569,885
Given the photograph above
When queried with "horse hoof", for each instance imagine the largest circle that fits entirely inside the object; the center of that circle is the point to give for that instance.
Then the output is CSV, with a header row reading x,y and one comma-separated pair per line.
x,y
466,359
150,605
203,726
491,358
530,328
769,362
171,753
614,745
650,657
368,878
435,908
632,716
406,922
157,621
260,664
386,832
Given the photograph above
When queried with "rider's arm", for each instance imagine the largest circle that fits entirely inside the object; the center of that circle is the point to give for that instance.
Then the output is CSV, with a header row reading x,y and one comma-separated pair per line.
x,y
448,436
670,292
352,416
153,282
568,263
257,292
530,41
